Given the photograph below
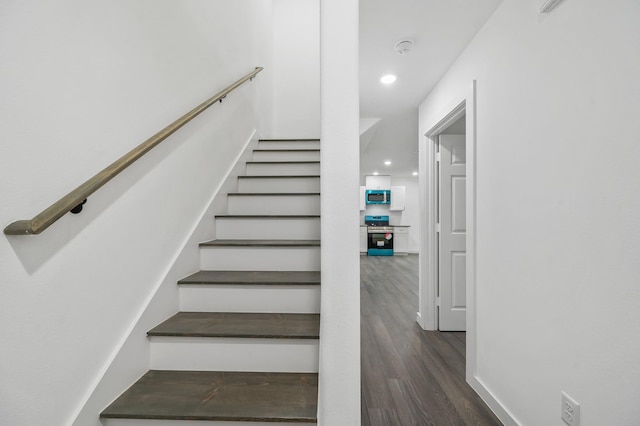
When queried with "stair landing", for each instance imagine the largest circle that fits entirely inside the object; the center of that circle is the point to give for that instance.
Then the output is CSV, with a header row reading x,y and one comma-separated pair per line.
x,y
219,396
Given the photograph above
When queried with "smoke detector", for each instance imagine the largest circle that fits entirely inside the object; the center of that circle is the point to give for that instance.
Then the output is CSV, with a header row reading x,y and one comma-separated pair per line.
x,y
403,47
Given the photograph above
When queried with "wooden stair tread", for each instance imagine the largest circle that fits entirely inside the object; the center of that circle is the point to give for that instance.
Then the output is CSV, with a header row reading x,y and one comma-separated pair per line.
x,y
269,216
243,194
289,140
219,396
280,177
261,243
245,325
287,150
283,162
253,278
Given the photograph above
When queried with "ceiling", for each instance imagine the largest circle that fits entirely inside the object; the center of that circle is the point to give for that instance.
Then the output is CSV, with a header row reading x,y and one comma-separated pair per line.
x,y
440,30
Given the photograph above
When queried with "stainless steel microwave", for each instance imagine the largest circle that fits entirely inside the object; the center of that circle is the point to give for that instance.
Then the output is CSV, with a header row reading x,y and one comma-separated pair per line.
x,y
378,196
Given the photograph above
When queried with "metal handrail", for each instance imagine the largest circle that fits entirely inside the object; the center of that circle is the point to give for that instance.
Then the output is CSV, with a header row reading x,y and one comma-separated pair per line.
x,y
74,200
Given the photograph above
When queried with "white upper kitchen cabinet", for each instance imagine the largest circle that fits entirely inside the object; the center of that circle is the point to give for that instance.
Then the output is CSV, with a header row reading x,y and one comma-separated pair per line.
x,y
378,181
397,198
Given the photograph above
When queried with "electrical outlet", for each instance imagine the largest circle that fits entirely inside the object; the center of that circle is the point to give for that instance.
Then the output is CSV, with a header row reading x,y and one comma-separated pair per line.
x,y
570,410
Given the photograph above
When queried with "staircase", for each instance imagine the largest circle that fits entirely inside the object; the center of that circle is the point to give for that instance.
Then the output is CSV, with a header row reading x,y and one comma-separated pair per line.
x,y
244,346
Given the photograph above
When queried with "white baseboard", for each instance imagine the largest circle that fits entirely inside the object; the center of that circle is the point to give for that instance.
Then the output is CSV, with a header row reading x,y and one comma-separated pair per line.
x,y
494,404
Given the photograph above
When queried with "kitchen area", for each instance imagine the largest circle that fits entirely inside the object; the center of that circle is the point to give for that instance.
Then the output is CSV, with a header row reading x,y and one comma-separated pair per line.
x,y
387,217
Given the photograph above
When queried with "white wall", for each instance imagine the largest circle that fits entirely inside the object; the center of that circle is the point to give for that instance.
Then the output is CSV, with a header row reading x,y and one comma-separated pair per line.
x,y
557,208
339,382
296,35
393,138
82,83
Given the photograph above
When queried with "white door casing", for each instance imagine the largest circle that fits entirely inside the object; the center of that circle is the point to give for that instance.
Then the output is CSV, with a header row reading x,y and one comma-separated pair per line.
x,y
460,103
452,242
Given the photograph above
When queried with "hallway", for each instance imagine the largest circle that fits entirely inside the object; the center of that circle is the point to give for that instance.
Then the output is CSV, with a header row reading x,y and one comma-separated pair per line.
x,y
410,377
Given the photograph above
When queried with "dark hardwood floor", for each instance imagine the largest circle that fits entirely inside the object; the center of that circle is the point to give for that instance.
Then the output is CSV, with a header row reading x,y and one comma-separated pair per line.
x,y
410,377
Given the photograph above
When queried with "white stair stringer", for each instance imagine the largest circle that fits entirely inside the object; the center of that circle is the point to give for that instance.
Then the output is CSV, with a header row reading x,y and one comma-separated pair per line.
x,y
267,227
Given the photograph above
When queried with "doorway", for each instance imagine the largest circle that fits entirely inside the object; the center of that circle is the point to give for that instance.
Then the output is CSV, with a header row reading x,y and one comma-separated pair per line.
x,y
461,103
433,264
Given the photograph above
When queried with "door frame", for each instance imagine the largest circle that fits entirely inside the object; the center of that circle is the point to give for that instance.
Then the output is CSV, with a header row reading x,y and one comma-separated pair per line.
x,y
427,317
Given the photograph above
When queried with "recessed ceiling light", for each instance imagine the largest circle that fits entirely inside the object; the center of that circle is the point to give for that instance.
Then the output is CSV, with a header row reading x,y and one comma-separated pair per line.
x,y
388,79
415,173
375,173
387,163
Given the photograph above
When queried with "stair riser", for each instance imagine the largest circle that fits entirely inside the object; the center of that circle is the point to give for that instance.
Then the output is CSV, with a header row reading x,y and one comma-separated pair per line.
x,y
260,258
268,229
266,184
274,204
234,354
141,422
289,145
283,169
282,155
303,299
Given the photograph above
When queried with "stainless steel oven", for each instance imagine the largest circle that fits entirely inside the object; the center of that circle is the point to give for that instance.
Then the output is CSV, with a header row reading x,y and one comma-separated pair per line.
x,y
380,241
379,236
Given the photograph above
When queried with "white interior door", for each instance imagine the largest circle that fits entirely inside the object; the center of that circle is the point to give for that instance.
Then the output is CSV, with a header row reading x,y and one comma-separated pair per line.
x,y
452,263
